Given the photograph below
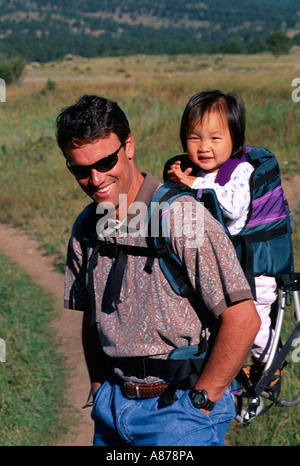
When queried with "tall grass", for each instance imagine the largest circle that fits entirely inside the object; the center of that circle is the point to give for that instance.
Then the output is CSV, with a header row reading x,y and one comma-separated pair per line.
x,y
41,197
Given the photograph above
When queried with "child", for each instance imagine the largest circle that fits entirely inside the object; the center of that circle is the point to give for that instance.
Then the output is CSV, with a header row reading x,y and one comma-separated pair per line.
x,y
213,130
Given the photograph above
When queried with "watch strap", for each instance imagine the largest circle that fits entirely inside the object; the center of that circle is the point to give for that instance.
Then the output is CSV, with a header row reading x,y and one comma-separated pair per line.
x,y
209,405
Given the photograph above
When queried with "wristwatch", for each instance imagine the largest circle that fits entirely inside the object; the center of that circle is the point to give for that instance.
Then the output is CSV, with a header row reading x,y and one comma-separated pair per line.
x,y
200,400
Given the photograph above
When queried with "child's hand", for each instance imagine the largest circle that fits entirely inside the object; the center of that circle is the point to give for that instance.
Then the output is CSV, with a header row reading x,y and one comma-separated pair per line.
x,y
177,176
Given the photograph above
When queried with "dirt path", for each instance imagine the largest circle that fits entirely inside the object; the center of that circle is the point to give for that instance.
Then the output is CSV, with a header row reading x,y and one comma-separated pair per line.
x,y
24,251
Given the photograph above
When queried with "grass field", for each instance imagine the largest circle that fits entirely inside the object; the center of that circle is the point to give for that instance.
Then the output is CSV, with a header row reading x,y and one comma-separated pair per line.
x,y
31,394
39,196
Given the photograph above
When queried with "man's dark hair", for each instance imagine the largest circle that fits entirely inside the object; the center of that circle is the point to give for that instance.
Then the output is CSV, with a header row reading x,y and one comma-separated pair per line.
x,y
92,117
228,105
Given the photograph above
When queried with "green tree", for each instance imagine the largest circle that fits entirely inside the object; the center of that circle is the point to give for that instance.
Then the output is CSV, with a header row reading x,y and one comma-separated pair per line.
x,y
257,45
11,69
234,46
279,43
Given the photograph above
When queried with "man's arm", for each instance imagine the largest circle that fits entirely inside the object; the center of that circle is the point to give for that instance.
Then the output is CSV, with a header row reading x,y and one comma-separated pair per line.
x,y
92,350
239,326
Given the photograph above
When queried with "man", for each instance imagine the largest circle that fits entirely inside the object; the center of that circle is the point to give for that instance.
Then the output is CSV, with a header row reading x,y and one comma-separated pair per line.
x,y
127,335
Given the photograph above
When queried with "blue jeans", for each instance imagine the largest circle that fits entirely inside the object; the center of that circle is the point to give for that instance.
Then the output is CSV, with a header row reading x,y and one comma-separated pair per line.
x,y
121,421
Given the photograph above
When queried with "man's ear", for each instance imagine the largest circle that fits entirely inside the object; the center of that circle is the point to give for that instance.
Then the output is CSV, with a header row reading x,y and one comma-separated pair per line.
x,y
130,147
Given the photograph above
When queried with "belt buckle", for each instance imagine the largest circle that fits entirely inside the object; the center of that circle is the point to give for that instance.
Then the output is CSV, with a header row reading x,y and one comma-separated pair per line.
x,y
137,394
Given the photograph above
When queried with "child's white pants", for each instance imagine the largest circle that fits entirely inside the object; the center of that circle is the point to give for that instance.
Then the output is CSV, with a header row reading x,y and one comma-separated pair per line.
x,y
266,293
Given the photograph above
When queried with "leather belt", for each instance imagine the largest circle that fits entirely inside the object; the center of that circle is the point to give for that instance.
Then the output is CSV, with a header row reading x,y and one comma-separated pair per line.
x,y
144,390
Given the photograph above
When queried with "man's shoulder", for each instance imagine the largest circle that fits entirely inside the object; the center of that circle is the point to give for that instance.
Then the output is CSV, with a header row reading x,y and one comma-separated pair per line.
x,y
81,224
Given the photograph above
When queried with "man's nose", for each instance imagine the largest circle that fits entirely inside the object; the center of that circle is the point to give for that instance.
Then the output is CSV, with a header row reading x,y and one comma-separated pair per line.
x,y
96,177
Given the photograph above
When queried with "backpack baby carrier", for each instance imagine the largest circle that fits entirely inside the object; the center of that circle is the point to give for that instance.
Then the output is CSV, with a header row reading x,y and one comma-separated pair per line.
x,y
263,246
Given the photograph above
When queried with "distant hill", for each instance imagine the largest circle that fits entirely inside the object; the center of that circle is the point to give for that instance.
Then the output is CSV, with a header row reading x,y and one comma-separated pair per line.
x,y
45,30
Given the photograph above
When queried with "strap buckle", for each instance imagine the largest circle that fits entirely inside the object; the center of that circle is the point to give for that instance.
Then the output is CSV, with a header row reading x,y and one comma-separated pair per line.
x,y
136,389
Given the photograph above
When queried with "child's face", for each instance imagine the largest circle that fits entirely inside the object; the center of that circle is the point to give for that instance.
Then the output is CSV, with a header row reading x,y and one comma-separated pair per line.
x,y
209,143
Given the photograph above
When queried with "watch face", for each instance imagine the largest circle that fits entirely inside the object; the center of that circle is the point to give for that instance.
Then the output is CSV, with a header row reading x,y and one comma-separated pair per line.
x,y
199,398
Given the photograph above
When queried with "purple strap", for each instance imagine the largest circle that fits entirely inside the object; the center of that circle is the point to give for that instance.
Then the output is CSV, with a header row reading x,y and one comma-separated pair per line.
x,y
225,171
268,208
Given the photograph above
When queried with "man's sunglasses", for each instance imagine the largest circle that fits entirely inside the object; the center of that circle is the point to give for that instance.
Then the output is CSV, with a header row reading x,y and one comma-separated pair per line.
x,y
103,165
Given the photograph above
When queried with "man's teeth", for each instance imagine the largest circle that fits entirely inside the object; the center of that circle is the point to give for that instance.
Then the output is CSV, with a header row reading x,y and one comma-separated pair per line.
x,y
106,188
